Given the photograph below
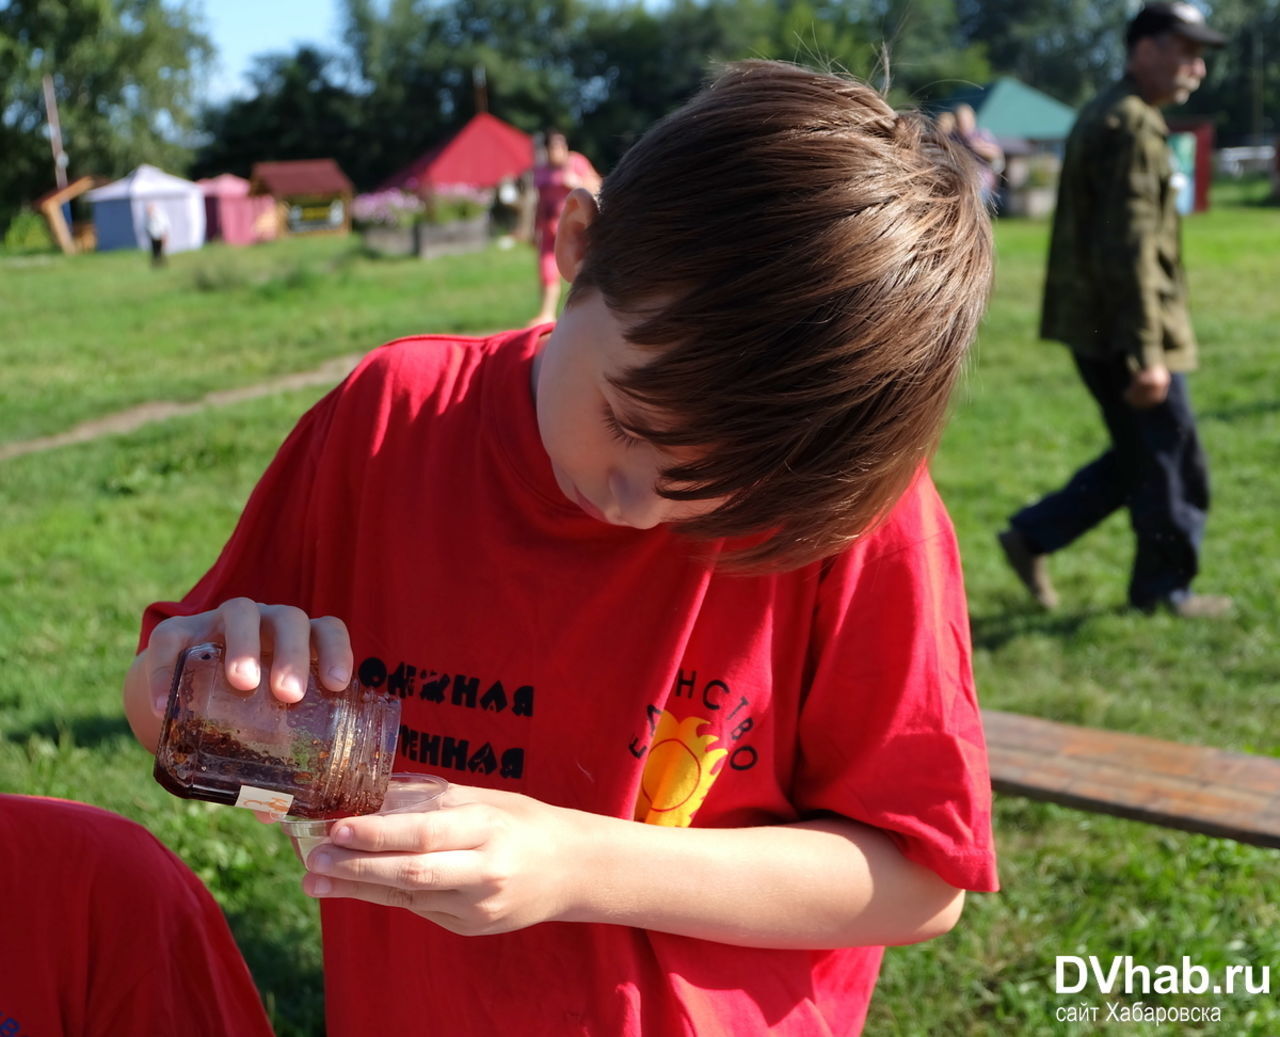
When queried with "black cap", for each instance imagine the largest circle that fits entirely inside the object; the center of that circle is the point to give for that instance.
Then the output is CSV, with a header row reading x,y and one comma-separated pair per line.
x,y
1179,17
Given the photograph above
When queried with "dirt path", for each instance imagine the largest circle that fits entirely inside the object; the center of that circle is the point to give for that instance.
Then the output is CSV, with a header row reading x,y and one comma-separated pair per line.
x,y
329,373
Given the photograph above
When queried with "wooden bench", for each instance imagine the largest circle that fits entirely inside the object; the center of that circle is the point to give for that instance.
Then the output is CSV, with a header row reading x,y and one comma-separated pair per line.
x,y
1194,788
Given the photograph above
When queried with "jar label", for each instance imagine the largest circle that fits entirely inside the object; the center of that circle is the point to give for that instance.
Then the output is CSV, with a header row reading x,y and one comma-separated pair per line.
x,y
269,800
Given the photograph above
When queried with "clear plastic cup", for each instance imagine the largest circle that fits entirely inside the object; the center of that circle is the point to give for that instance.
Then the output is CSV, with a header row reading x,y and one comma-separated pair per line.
x,y
406,794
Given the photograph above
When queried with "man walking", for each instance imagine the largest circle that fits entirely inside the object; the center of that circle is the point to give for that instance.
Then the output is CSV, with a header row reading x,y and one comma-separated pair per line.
x,y
1116,295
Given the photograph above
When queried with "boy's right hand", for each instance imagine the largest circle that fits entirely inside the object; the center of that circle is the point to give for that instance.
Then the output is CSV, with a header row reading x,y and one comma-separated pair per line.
x,y
246,629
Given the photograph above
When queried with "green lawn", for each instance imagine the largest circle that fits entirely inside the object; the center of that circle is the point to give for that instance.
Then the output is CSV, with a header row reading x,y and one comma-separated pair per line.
x,y
93,532
87,335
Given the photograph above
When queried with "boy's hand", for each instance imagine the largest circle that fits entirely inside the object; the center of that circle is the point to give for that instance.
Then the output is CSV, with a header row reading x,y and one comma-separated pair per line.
x,y
246,629
489,861
486,862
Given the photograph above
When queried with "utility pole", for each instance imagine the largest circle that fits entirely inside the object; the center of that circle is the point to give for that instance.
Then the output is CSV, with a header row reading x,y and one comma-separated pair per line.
x,y
480,85
55,133
1257,80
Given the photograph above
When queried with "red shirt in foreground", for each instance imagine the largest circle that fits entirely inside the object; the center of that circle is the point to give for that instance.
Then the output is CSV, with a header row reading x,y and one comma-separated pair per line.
x,y
107,933
606,669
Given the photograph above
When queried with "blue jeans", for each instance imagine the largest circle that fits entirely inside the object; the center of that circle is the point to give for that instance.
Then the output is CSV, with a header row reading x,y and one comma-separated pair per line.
x,y
1155,467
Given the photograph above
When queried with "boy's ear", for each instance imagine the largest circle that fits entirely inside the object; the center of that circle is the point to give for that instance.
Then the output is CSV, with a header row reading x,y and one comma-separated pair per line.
x,y
571,234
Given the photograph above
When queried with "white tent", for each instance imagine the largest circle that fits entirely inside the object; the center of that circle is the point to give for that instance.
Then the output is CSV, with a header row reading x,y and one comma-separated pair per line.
x,y
120,210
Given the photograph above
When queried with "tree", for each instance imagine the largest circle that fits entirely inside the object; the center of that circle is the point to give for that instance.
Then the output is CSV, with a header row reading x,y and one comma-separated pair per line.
x,y
926,53
1241,93
297,110
125,75
1069,49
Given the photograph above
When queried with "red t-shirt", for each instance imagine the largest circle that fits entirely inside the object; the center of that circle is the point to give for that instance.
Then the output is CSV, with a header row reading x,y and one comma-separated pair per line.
x,y
603,668
106,932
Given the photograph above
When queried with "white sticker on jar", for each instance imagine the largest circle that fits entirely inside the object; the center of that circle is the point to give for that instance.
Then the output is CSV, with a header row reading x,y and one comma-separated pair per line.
x,y
269,801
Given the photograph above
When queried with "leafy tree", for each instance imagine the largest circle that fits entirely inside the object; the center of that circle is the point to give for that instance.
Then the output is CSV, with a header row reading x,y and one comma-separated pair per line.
x,y
634,65
298,110
417,66
1068,48
125,75
926,53
1242,90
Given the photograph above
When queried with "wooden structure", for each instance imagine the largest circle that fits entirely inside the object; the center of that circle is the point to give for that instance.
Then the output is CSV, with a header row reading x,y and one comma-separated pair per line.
x,y
79,236
1194,788
313,196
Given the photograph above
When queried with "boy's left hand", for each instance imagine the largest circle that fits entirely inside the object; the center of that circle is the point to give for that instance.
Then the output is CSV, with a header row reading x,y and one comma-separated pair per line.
x,y
486,862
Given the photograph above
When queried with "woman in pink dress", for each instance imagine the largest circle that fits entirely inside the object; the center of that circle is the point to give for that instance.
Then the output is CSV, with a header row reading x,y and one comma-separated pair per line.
x,y
553,179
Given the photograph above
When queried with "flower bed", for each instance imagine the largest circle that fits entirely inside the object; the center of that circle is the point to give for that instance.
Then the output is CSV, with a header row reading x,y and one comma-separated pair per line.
x,y
396,223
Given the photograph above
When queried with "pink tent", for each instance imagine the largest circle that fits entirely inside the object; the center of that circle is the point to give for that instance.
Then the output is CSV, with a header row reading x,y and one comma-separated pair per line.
x,y
482,154
233,215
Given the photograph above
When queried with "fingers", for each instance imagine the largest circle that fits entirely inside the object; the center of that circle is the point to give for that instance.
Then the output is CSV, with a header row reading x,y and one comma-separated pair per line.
x,y
333,652
241,628
455,828
288,629
167,642
442,906
428,851
247,629
416,872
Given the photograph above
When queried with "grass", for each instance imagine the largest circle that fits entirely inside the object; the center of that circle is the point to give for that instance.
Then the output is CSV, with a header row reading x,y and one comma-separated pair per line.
x,y
88,335
93,532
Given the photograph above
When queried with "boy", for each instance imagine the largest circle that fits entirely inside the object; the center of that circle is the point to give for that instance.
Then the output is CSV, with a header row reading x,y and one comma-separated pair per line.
x,y
675,560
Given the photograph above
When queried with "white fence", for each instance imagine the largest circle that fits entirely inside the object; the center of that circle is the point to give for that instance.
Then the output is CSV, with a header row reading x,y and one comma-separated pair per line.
x,y
1239,161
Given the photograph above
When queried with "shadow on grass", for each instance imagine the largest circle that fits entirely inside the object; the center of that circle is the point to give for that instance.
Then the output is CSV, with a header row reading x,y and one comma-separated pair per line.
x,y
994,630
290,980
87,732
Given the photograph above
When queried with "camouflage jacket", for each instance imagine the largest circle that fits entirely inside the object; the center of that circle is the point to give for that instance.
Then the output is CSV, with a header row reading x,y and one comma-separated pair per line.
x,y
1115,283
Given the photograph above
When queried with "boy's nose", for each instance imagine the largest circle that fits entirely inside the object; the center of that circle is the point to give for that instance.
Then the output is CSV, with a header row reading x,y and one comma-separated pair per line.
x,y
638,502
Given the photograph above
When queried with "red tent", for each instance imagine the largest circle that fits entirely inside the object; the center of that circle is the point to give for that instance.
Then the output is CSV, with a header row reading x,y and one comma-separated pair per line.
x,y
482,154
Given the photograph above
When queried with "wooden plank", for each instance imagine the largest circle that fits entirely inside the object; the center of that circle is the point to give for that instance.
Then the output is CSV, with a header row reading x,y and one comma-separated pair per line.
x,y
1189,787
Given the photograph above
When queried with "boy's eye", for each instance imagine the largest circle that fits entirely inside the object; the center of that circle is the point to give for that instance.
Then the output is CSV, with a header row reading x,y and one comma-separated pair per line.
x,y
617,431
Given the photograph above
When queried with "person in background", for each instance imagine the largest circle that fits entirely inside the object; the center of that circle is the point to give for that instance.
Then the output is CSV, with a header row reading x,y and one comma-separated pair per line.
x,y
157,227
1116,294
558,173
985,149
107,932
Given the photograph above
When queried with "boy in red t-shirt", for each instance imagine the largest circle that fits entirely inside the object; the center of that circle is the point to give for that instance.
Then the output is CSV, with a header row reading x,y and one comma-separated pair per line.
x,y
665,589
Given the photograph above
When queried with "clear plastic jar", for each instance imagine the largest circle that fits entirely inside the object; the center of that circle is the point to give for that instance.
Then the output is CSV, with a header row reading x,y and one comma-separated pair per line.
x,y
328,755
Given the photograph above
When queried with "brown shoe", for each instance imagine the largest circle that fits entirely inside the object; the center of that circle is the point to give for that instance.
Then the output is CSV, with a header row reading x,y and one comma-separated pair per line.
x,y
1197,606
1032,569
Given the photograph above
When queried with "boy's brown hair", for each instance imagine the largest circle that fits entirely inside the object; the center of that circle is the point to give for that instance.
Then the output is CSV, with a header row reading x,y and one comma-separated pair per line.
x,y
809,268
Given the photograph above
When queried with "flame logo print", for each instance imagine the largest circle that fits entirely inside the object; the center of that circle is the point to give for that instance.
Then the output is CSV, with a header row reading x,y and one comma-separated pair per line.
x,y
679,772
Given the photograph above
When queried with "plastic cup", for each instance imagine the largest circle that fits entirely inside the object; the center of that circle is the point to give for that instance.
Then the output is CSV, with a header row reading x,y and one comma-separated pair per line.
x,y
406,794
413,793
306,834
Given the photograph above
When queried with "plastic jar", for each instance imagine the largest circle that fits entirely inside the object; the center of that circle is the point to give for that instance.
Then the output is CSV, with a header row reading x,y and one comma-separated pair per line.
x,y
328,755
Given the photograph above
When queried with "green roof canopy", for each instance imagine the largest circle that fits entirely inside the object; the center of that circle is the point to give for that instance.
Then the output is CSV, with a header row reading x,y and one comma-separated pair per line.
x,y
1010,108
